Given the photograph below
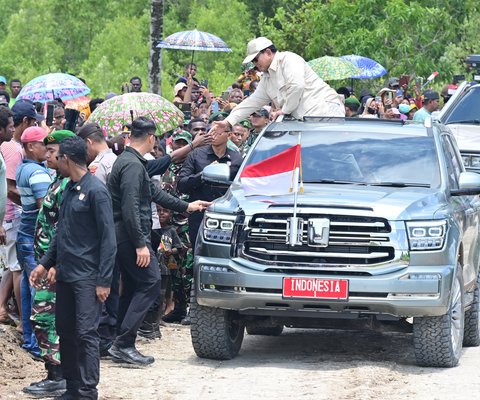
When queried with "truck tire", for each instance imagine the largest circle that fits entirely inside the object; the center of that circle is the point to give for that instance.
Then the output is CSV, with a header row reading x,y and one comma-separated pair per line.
x,y
471,336
264,330
438,340
216,334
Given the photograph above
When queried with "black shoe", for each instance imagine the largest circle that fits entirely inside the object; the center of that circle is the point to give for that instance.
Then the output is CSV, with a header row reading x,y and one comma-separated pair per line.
x,y
104,346
174,316
47,387
186,320
150,330
129,355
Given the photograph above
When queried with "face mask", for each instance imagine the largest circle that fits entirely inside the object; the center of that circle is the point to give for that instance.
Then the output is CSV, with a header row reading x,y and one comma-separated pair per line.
x,y
404,108
371,110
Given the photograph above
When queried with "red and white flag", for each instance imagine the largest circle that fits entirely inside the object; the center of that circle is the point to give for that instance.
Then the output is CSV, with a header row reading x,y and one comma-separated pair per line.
x,y
275,175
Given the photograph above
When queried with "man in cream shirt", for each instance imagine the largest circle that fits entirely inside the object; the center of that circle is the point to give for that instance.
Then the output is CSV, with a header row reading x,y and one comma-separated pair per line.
x,y
289,83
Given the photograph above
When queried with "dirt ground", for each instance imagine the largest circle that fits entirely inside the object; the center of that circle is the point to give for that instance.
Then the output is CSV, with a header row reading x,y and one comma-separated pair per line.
x,y
299,364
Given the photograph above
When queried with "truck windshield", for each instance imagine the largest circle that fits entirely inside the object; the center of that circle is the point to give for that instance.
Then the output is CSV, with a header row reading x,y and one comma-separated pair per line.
x,y
358,158
467,110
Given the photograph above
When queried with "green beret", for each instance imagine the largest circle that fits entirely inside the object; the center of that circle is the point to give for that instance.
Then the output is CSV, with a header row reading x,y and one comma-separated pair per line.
x,y
352,100
218,116
182,135
245,123
57,136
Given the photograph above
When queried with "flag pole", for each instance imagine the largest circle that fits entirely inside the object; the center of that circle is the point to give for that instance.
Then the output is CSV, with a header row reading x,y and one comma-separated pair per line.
x,y
296,224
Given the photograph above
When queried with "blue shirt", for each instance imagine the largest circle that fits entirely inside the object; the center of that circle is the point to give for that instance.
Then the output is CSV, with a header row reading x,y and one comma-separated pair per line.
x,y
421,115
33,181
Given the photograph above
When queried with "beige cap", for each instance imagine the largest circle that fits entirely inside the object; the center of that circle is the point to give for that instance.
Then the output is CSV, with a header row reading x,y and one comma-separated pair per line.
x,y
179,86
384,90
255,46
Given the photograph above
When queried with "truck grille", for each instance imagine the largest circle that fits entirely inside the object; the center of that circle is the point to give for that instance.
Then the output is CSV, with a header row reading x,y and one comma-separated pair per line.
x,y
353,240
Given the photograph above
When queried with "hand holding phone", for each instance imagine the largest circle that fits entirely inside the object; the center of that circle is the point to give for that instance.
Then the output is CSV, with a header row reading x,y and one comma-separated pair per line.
x,y
214,106
50,111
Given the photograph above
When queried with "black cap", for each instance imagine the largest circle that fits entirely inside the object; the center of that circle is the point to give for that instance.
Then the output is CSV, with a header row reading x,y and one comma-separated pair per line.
x,y
262,112
89,129
430,95
392,82
25,108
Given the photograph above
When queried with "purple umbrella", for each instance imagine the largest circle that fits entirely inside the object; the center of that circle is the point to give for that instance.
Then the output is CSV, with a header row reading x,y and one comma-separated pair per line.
x,y
49,87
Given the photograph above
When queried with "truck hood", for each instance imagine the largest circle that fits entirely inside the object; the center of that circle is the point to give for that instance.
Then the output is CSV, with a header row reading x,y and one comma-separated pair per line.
x,y
467,136
391,203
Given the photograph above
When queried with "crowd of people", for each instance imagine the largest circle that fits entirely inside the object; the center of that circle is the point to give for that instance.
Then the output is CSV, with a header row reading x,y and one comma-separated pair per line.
x,y
99,232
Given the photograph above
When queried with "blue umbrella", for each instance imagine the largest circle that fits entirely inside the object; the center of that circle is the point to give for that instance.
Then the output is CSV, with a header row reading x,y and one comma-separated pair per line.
x,y
194,40
49,87
370,68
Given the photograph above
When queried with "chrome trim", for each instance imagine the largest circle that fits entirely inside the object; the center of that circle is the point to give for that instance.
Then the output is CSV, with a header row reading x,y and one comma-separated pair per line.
x,y
370,256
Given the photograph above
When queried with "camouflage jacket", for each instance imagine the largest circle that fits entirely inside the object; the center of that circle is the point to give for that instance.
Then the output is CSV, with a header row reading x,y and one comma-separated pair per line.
x,y
48,215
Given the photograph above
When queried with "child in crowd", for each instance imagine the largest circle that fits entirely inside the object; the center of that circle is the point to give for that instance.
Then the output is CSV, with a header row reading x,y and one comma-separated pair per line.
x,y
169,252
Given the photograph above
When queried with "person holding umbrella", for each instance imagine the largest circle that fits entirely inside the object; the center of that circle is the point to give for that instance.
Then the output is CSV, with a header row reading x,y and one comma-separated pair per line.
x,y
289,83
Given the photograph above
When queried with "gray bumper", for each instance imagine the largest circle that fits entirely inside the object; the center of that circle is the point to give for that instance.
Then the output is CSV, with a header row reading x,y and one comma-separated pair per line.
x,y
394,292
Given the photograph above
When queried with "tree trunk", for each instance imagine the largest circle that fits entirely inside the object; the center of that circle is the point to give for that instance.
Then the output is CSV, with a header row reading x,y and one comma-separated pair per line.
x,y
156,33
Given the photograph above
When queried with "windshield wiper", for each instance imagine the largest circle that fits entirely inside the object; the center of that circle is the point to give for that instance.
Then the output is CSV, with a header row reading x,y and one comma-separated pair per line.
x,y
399,184
467,121
334,181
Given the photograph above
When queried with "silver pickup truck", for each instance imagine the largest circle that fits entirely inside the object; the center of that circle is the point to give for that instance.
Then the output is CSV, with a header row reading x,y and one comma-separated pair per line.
x,y
387,232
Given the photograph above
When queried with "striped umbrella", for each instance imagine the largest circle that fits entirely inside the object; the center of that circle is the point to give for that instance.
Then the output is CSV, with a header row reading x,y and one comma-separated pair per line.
x,y
194,40
118,111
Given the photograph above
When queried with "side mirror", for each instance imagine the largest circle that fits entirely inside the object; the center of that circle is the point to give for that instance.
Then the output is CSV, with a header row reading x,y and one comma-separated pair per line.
x,y
435,116
469,184
217,173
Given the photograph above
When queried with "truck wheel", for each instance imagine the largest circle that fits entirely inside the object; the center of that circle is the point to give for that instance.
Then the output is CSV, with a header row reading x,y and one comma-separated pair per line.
x,y
438,340
471,336
216,334
264,330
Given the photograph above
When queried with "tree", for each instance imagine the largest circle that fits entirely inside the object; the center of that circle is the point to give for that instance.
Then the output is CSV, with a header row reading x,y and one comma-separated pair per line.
x,y
118,54
156,33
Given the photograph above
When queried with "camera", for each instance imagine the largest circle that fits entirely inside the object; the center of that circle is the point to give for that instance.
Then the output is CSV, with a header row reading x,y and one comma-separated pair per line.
x,y
473,64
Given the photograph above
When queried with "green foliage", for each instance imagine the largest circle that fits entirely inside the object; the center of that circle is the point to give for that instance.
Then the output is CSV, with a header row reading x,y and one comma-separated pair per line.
x,y
119,52
407,37
107,41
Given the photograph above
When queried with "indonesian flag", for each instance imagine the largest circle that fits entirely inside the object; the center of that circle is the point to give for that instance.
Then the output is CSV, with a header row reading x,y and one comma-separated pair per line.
x,y
275,175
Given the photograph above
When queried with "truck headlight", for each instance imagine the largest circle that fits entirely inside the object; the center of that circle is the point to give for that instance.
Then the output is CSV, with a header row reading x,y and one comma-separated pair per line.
x,y
426,235
475,161
218,227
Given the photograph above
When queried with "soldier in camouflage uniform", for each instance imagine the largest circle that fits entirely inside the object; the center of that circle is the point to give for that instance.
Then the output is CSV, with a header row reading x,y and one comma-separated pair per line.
x,y
182,277
43,309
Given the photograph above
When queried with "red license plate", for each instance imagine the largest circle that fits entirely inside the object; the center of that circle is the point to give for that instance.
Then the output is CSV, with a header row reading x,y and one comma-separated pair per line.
x,y
315,288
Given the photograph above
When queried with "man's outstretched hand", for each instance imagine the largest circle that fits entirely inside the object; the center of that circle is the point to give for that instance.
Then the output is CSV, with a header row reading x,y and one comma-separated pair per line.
x,y
198,205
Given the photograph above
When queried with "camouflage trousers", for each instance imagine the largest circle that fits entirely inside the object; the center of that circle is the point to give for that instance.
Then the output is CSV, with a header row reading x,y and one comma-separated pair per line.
x,y
43,322
182,277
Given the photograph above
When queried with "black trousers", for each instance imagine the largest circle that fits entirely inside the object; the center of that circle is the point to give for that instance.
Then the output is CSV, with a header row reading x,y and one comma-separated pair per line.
x,y
194,222
141,287
77,315
107,328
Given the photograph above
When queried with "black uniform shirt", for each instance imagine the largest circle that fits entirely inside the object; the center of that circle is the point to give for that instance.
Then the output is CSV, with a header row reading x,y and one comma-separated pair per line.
x,y
190,177
84,245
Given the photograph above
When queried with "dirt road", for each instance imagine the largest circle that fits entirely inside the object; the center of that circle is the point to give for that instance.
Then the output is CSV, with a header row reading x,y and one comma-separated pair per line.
x,y
300,364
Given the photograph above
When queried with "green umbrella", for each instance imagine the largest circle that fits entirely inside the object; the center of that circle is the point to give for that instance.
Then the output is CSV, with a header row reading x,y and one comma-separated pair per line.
x,y
333,68
121,110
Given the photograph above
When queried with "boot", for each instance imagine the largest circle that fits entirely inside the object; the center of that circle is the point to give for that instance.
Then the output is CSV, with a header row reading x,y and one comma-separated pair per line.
x,y
52,385
150,328
179,312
